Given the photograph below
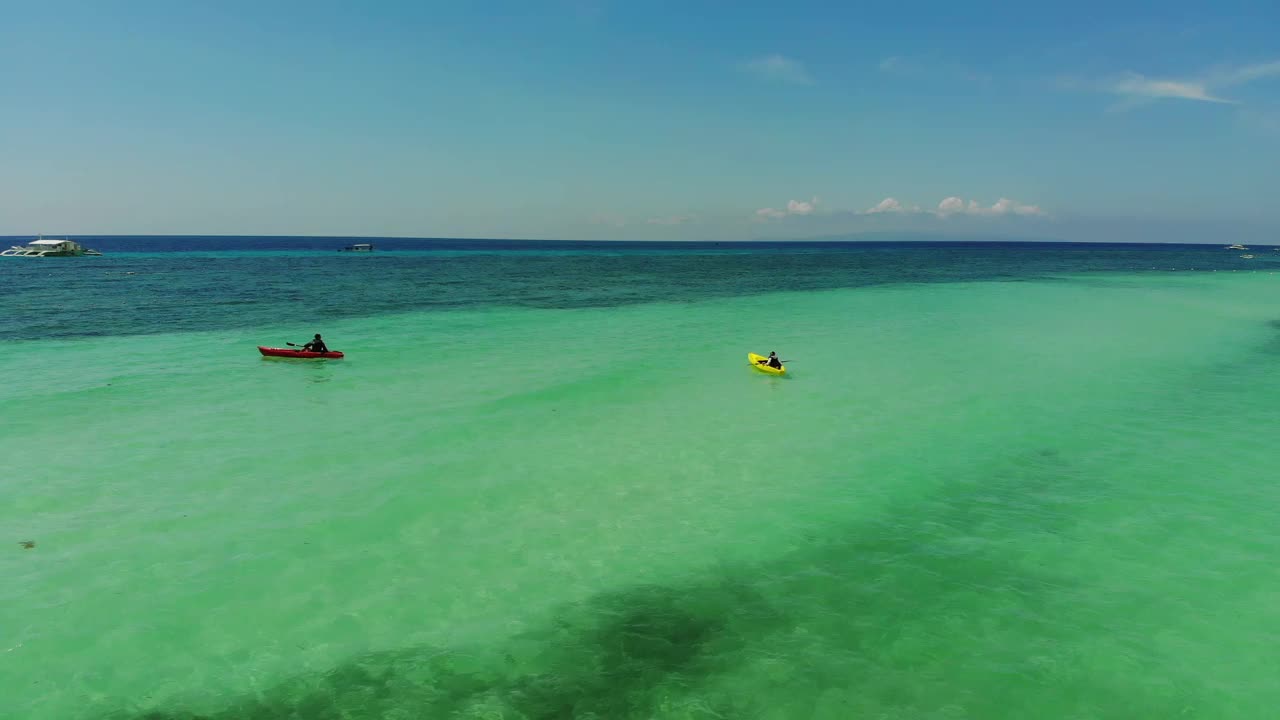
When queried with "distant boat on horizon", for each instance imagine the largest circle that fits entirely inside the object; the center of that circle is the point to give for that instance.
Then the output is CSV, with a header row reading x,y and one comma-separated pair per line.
x,y
358,247
40,247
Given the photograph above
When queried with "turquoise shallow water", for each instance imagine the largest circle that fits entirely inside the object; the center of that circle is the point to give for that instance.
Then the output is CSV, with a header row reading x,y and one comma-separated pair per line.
x,y
970,499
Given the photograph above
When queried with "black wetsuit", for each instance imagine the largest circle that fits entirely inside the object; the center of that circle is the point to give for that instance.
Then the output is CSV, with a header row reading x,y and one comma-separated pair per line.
x,y
316,346
774,362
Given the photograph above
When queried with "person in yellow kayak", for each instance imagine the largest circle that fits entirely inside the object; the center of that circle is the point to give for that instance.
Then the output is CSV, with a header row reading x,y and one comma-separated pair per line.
x,y
772,361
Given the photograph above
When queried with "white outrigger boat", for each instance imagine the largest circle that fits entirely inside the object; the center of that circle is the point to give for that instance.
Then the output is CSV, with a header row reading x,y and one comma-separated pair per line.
x,y
41,247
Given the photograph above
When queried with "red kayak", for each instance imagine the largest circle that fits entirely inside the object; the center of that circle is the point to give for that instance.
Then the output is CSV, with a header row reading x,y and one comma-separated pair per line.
x,y
287,352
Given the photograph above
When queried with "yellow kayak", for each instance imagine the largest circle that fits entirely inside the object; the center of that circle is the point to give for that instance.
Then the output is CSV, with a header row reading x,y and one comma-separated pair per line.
x,y
756,361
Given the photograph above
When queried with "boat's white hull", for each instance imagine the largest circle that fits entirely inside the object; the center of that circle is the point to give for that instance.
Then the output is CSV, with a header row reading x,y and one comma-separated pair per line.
x,y
6,253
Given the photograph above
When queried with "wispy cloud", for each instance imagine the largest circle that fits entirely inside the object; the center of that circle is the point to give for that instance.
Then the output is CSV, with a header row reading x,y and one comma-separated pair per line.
x,y
932,68
1004,206
672,220
948,207
1138,89
779,68
794,207
1227,77
1134,85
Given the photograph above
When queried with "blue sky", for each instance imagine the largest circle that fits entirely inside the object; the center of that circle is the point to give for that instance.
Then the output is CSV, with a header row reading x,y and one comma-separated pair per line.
x,y
653,120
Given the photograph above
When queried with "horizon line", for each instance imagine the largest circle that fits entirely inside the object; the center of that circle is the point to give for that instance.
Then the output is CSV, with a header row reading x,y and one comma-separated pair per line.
x,y
867,237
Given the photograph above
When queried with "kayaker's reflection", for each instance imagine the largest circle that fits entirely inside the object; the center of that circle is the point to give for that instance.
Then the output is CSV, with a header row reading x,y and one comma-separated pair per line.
x,y
316,345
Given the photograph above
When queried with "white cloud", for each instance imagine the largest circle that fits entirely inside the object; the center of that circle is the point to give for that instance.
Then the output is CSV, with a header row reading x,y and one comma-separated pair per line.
x,y
890,205
886,205
1139,86
1004,206
779,68
794,207
890,63
950,205
1138,89
801,207
672,220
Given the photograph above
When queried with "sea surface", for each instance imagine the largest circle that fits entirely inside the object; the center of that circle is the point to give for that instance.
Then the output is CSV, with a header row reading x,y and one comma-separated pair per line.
x,y
998,481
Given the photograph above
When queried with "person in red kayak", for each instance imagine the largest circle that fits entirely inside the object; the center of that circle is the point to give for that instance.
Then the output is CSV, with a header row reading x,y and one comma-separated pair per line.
x,y
316,345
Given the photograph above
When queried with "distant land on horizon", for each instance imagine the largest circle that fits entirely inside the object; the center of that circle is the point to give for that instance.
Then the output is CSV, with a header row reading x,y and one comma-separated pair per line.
x,y
904,236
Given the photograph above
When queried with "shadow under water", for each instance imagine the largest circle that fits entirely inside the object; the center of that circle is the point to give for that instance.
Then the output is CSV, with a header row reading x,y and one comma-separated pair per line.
x,y
600,659
833,617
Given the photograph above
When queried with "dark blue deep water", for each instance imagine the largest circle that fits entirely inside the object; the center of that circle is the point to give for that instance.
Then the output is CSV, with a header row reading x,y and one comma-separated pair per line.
x,y
173,284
